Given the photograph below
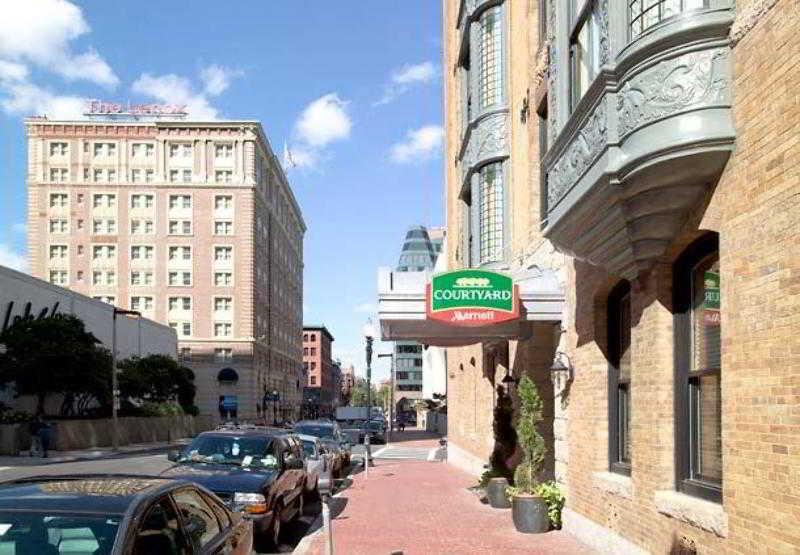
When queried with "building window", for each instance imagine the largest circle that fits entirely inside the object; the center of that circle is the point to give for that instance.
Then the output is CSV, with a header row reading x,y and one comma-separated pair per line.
x,y
223,329
58,252
696,289
104,277
179,278
223,253
223,279
142,252
142,227
223,176
142,278
180,253
305,351
223,304
142,304
223,228
644,14
185,354
104,226
179,303
223,150
58,200
490,182
59,175
491,51
180,201
104,201
313,380
58,149
619,378
224,202
104,252
182,150
59,226
183,329
142,201
223,355
180,227
584,48
58,277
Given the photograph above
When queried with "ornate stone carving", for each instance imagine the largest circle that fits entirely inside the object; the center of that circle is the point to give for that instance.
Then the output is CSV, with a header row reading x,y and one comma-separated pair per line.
x,y
542,64
605,44
689,81
488,139
552,84
581,153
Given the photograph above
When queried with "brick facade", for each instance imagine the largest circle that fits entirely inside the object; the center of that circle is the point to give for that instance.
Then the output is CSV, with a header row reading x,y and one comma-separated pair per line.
x,y
754,208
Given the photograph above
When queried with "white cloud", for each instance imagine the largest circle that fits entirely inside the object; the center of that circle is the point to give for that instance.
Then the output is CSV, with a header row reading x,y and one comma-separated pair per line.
x,y
217,78
403,78
368,308
324,121
11,71
12,259
420,144
419,73
173,89
25,98
40,32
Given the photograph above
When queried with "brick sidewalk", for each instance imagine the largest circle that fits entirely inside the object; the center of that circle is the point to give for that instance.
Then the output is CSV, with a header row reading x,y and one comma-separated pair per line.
x,y
417,507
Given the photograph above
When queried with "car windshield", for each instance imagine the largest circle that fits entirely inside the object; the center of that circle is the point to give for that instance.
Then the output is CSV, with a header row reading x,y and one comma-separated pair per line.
x,y
309,448
314,430
375,425
240,451
43,532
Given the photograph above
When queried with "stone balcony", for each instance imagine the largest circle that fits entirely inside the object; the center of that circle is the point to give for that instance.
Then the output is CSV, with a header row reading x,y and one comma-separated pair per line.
x,y
644,146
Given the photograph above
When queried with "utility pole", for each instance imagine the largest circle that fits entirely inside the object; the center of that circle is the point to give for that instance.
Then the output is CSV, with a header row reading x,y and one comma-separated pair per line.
x,y
369,336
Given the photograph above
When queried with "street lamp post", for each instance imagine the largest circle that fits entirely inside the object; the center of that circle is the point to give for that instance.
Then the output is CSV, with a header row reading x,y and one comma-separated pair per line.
x,y
391,393
275,407
369,335
114,384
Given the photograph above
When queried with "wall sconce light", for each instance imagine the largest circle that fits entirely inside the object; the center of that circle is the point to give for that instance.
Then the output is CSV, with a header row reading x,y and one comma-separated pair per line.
x,y
508,380
558,368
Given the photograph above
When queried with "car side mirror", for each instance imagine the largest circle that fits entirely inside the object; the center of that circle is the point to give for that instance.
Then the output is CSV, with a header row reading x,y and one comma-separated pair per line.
x,y
173,456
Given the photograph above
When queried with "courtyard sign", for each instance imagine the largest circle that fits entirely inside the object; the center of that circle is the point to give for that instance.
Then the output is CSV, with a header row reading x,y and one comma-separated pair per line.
x,y
472,298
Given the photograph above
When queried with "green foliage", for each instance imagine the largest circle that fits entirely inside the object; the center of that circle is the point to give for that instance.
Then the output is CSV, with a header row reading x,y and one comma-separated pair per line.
x,y
483,481
551,493
55,355
530,440
157,379
505,437
160,409
15,417
358,396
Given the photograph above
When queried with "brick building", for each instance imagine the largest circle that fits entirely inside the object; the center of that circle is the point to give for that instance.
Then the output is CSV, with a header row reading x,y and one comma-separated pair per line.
x,y
321,386
645,153
191,223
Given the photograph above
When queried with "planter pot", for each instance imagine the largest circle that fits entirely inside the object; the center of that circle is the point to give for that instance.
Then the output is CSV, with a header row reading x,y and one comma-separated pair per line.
x,y
496,493
530,514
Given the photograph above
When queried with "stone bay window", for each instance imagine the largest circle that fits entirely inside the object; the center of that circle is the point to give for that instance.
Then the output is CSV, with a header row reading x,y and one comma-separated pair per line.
x,y
484,123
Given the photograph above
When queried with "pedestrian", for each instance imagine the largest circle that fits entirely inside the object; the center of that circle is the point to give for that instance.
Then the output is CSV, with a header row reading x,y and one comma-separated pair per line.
x,y
33,429
44,437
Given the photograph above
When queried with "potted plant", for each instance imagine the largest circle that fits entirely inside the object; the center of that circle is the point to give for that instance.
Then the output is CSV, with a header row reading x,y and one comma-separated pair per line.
x,y
528,509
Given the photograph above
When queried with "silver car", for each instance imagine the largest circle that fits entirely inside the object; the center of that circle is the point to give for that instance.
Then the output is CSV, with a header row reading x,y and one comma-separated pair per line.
x,y
318,464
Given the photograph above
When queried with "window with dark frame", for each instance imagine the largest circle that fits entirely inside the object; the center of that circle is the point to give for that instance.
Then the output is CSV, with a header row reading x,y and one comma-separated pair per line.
x,y
583,49
644,14
619,378
698,418
542,113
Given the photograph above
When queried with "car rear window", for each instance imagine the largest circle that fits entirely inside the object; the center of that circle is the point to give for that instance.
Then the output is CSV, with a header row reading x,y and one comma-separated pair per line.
x,y
318,431
42,532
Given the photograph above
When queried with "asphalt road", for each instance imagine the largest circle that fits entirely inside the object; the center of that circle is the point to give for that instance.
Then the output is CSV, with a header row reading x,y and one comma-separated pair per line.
x,y
149,464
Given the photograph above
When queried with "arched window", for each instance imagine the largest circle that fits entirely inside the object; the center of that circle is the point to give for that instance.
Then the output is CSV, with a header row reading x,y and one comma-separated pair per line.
x,y
698,418
619,378
228,375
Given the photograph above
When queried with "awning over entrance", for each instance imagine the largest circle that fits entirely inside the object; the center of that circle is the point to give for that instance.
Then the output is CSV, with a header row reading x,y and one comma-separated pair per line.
x,y
402,309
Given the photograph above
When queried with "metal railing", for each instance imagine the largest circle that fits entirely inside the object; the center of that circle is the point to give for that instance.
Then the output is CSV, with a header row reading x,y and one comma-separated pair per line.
x,y
644,14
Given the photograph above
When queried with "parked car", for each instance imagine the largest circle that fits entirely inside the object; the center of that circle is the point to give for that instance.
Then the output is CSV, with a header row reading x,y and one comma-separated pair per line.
x,y
117,514
377,432
319,464
332,437
256,471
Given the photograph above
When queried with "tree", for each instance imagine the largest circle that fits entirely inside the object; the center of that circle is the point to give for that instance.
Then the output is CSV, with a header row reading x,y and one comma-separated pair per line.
x,y
530,440
55,355
158,379
505,437
358,397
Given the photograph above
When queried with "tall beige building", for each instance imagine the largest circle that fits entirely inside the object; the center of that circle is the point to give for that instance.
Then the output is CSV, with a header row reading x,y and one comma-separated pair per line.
x,y
193,224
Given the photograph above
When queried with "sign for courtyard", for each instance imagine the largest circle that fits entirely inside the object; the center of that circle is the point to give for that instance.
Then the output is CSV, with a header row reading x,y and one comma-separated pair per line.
x,y
711,298
472,298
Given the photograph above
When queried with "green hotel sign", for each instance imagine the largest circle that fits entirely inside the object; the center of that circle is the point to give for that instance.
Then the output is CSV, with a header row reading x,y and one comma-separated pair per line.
x,y
472,298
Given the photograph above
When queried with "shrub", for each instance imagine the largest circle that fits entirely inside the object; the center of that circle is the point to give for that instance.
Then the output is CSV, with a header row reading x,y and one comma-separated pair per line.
x,y
529,438
551,493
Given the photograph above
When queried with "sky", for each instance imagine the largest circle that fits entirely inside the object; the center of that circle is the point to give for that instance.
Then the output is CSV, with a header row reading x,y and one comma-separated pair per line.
x,y
351,89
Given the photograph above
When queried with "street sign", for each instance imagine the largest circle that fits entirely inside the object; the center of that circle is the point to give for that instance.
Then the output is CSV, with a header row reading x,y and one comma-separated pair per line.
x,y
472,298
